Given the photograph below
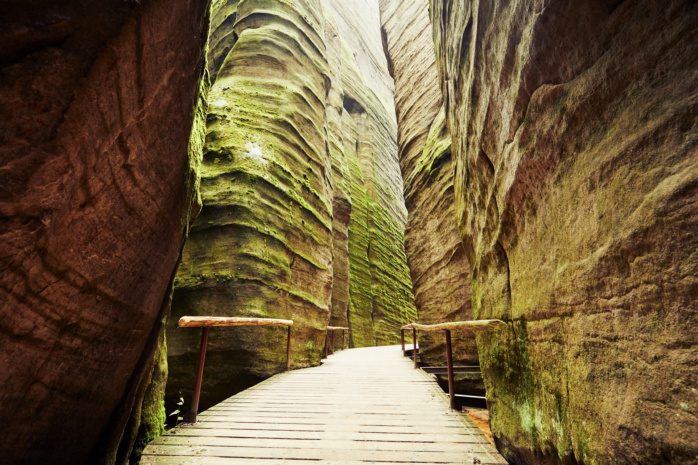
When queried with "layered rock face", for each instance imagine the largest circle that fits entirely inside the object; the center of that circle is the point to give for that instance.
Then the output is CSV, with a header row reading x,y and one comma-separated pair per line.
x,y
98,184
381,298
303,216
438,266
576,177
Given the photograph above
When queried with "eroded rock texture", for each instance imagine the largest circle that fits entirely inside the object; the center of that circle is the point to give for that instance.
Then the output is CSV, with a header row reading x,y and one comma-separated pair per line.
x,y
98,184
576,177
341,177
438,266
303,216
381,298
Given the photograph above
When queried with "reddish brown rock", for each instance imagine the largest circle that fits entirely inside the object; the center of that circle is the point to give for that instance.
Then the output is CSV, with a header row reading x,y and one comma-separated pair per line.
x,y
576,176
97,188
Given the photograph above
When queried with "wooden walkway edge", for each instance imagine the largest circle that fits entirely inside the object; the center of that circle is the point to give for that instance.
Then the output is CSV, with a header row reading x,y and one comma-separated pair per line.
x,y
361,406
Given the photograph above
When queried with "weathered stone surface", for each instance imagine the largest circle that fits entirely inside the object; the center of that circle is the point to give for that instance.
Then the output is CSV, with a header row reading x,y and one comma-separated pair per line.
x,y
262,245
381,298
438,265
292,216
341,177
576,177
97,186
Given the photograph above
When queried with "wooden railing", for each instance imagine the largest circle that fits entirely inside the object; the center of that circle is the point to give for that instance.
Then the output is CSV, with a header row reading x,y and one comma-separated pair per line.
x,y
477,325
330,336
206,322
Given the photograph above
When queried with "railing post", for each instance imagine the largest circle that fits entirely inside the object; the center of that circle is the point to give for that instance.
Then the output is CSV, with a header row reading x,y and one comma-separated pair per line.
x,y
449,365
191,416
327,338
414,343
344,340
402,338
288,350
332,343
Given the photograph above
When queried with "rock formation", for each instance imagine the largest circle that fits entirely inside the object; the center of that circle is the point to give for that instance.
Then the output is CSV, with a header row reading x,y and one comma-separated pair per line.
x,y
303,215
576,174
548,150
98,183
438,266
381,298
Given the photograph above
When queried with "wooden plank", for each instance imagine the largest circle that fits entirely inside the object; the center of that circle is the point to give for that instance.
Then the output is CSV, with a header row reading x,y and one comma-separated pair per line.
x,y
335,435
325,443
330,414
361,406
434,428
327,421
265,408
188,460
199,321
275,404
301,453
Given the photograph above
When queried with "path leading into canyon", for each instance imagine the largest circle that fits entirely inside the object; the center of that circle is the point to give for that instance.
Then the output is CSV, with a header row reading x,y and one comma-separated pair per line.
x,y
360,406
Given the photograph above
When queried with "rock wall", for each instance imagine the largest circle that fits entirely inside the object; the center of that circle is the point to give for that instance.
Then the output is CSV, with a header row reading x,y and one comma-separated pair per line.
x,y
341,177
438,265
381,298
576,177
98,184
303,214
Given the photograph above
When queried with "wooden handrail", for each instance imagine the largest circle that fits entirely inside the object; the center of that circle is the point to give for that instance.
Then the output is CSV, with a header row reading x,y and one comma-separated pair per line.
x,y
200,321
476,325
206,322
328,338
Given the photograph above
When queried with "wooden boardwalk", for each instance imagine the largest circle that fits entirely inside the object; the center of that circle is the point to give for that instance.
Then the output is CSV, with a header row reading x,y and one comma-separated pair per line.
x,y
361,406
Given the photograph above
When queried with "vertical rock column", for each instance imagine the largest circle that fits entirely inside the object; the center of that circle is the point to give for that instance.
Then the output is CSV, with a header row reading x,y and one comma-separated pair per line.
x,y
98,184
438,265
341,177
381,298
303,214
262,246
575,145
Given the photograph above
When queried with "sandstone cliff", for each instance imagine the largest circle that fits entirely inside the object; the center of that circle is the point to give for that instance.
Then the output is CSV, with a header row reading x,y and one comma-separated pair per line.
x,y
381,298
98,183
303,215
438,266
576,176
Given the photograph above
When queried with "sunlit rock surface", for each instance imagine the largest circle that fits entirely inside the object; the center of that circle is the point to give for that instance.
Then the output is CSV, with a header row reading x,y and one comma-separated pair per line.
x,y
97,187
576,177
438,265
303,214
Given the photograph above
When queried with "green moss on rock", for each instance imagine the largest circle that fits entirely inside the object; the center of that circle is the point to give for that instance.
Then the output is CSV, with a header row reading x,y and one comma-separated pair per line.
x,y
275,235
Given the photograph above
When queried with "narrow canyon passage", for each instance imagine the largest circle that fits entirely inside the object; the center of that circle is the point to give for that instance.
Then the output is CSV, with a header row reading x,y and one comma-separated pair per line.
x,y
303,213
358,164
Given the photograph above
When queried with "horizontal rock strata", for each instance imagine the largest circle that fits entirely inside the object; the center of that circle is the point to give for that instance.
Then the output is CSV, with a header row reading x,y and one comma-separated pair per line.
x,y
262,246
303,216
576,176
